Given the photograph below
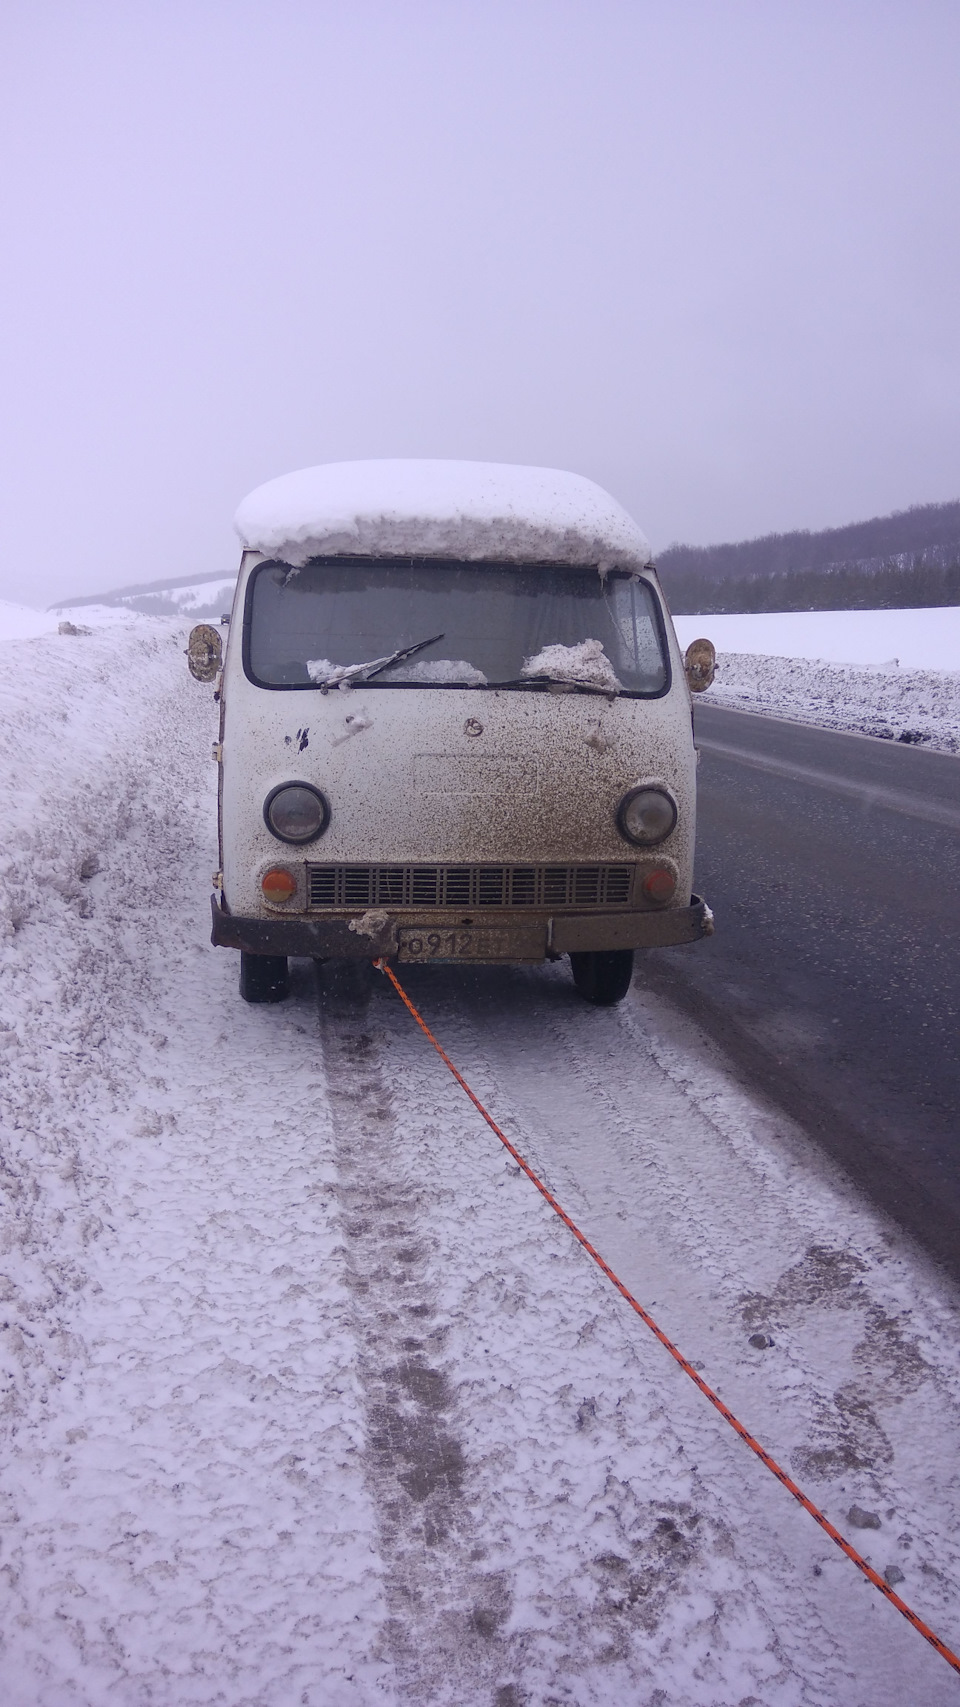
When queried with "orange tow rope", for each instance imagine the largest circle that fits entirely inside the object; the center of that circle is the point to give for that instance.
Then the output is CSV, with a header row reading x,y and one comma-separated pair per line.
x,y
688,1369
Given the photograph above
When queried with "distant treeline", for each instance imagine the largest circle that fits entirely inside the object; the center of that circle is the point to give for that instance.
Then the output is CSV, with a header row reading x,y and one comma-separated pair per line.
x,y
164,604
844,586
907,560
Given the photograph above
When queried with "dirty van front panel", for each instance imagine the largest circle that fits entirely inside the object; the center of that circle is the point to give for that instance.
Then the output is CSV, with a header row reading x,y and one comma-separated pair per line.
x,y
420,776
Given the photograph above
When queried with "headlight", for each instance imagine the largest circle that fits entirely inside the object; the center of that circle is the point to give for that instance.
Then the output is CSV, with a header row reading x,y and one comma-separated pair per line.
x,y
296,812
646,816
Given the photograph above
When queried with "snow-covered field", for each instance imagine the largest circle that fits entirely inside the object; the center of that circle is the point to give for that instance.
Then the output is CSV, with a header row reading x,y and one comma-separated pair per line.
x,y
21,622
18,622
890,673
909,639
308,1399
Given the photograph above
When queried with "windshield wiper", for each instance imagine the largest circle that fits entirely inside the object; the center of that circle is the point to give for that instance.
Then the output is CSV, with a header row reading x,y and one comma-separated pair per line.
x,y
565,682
344,674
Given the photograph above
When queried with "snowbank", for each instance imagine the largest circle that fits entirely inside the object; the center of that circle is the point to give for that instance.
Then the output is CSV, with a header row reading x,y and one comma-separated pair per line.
x,y
181,1486
466,510
916,639
890,673
919,706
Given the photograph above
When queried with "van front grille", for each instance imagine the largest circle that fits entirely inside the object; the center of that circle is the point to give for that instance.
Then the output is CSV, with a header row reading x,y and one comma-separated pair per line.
x,y
470,885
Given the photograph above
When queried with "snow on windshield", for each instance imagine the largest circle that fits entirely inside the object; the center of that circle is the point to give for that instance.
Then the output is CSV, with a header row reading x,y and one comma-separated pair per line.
x,y
449,670
466,510
586,664
436,670
321,670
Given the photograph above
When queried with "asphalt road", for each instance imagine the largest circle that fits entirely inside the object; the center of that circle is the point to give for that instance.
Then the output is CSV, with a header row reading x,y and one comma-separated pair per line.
x,y
832,863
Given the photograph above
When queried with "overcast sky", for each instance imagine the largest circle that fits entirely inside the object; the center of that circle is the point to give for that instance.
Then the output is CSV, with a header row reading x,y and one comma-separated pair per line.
x,y
705,253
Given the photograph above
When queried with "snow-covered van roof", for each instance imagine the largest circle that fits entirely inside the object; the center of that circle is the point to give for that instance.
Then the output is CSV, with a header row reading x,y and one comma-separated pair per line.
x,y
472,511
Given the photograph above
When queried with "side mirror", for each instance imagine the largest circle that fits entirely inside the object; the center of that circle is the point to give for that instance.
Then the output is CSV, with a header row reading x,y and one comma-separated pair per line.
x,y
700,664
204,652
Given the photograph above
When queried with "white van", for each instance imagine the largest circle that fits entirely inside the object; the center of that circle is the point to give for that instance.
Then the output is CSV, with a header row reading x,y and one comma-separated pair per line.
x,y
455,726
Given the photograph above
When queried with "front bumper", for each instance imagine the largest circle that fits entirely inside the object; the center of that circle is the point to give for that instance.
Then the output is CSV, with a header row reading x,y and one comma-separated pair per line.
x,y
520,934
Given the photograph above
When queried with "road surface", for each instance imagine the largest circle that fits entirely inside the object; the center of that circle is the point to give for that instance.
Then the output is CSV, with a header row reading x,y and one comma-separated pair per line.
x,y
832,862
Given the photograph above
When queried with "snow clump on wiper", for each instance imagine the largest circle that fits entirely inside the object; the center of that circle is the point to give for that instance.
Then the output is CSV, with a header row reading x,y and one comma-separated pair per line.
x,y
327,675
585,665
455,672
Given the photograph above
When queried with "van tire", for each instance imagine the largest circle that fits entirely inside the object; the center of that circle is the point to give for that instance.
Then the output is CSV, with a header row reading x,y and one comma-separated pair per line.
x,y
603,977
264,977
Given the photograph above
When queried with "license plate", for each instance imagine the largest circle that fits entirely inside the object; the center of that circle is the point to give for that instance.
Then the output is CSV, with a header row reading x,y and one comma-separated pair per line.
x,y
466,942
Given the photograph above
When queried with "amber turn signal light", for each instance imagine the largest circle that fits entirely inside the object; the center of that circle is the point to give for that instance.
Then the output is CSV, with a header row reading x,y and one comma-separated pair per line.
x,y
278,884
659,884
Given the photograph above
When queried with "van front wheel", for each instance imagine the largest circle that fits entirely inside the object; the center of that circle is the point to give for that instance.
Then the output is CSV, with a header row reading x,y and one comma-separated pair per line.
x,y
603,977
263,977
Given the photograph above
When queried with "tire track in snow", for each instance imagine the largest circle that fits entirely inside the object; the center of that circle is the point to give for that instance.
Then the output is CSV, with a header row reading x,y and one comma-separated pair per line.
x,y
446,1611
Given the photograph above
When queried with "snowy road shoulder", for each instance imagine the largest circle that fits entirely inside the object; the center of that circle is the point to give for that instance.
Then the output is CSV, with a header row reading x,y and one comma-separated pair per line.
x,y
889,673
918,707
308,1397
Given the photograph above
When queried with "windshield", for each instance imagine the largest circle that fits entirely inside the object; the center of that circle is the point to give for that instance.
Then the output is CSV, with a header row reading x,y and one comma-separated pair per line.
x,y
496,624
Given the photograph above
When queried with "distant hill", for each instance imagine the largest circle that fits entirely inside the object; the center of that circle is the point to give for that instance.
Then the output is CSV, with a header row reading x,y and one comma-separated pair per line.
x,y
191,595
907,560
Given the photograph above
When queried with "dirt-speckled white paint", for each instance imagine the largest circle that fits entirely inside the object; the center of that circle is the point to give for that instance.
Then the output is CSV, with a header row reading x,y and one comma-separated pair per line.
x,y
409,779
